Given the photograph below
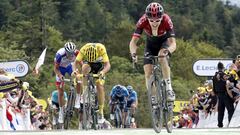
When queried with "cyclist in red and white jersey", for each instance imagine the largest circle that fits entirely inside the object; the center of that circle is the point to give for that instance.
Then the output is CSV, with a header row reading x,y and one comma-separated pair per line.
x,y
63,64
160,41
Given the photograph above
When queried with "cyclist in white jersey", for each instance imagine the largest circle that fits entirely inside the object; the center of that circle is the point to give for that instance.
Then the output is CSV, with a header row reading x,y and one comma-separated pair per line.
x,y
63,64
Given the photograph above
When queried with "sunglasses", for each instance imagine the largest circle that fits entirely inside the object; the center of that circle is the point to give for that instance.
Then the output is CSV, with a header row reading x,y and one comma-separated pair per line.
x,y
154,20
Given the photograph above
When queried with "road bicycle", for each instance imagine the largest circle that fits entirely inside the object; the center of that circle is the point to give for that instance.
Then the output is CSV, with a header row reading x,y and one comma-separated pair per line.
x,y
69,110
161,109
130,122
117,115
90,103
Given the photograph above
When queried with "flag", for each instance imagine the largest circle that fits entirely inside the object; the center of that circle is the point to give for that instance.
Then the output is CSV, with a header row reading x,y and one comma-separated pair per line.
x,y
40,61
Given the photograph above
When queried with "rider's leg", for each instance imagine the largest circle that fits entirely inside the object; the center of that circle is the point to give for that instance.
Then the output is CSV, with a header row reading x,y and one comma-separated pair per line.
x,y
166,76
148,71
123,105
133,108
101,98
78,88
78,95
85,70
61,101
112,105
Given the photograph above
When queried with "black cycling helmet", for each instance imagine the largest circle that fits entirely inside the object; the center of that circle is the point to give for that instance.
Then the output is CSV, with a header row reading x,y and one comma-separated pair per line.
x,y
118,90
154,10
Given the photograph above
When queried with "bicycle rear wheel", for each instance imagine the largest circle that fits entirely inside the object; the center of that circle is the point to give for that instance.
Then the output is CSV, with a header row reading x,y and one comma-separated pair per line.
x,y
69,111
156,106
168,112
94,119
86,111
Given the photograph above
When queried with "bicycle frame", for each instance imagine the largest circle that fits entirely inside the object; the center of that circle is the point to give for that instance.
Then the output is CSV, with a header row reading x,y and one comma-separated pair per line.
x,y
70,103
117,115
128,121
90,107
162,109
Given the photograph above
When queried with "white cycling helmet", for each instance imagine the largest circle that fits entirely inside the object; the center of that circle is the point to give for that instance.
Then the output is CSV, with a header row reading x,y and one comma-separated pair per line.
x,y
70,47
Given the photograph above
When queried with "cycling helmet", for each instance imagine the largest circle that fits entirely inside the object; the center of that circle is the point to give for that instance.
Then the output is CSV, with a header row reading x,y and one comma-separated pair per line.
x,y
118,90
129,88
25,86
154,10
70,47
237,58
91,53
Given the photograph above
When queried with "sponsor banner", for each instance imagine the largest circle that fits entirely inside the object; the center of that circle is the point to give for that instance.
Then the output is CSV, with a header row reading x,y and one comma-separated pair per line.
x,y
208,67
179,105
8,86
19,68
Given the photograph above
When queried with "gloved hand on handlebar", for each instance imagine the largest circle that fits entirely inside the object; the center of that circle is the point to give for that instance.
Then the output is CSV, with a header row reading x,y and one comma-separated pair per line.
x,y
166,52
61,77
74,73
101,74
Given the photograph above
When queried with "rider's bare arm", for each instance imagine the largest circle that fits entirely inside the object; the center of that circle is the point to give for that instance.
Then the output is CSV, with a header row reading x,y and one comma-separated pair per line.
x,y
106,68
74,66
133,45
56,69
172,44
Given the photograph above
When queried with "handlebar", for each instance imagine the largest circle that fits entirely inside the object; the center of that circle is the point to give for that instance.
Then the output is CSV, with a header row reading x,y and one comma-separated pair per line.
x,y
151,57
88,75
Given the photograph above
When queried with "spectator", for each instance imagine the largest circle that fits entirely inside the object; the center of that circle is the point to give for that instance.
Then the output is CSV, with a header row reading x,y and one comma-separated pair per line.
x,y
224,100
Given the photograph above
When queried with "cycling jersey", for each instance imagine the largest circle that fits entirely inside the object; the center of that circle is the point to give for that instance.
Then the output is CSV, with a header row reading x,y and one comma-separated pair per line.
x,y
156,36
62,59
101,53
132,96
121,97
65,62
123,91
164,29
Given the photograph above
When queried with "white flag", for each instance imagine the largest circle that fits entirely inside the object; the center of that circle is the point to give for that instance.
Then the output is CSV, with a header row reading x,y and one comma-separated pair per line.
x,y
40,61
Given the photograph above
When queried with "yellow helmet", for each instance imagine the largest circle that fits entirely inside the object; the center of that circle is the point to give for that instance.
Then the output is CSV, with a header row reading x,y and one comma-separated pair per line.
x,y
232,73
91,52
227,72
25,86
235,75
201,90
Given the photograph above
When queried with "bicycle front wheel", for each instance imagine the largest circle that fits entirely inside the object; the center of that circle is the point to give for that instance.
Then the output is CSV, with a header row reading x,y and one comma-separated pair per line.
x,y
168,110
128,119
155,104
69,111
118,117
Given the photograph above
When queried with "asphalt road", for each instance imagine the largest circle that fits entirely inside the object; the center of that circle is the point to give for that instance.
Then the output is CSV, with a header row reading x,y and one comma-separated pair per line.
x,y
216,131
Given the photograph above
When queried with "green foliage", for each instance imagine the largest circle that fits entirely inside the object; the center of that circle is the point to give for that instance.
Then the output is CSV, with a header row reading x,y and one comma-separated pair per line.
x,y
120,64
204,29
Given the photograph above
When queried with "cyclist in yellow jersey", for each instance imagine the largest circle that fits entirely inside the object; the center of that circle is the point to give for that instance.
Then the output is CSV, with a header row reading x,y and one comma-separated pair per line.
x,y
94,59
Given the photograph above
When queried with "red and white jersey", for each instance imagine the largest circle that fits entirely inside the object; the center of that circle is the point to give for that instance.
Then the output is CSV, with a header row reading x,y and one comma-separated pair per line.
x,y
165,27
62,59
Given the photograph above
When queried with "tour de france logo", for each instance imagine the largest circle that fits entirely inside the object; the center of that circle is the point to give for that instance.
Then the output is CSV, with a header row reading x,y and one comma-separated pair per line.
x,y
20,68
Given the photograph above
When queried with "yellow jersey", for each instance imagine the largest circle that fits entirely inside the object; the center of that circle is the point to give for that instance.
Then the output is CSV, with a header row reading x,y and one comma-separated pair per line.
x,y
101,53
